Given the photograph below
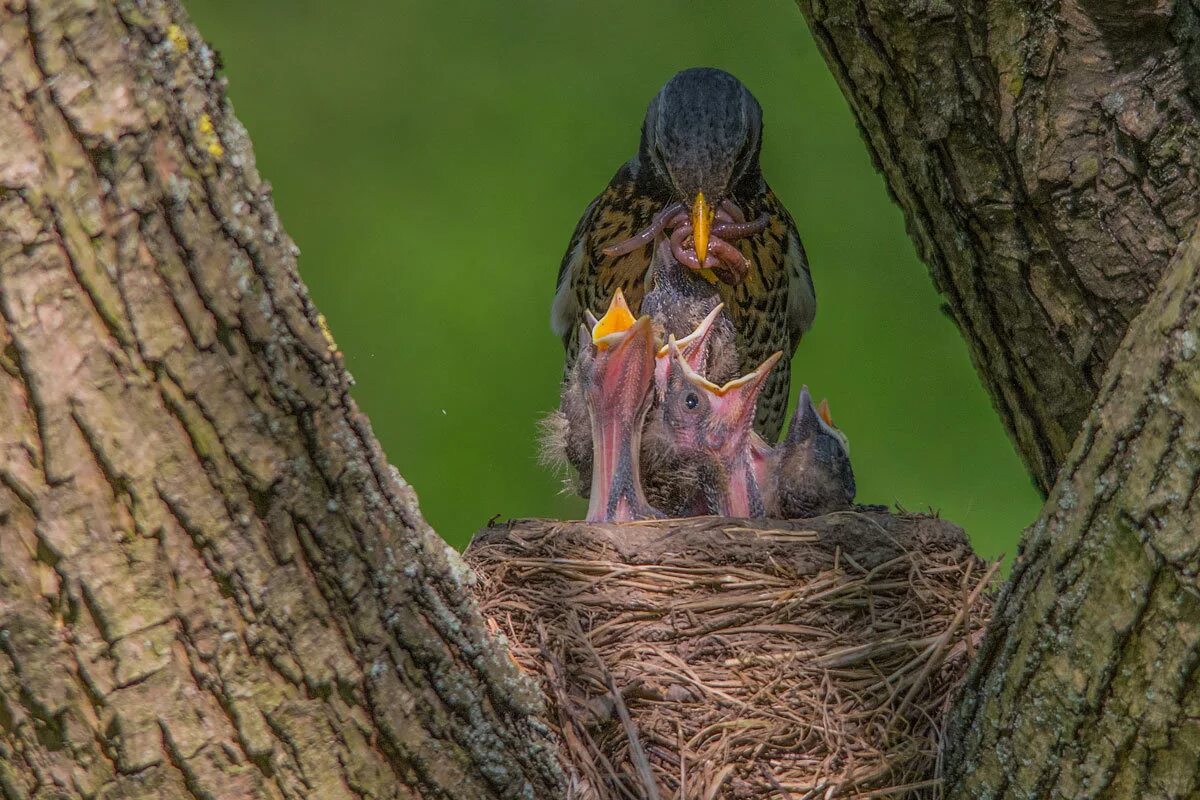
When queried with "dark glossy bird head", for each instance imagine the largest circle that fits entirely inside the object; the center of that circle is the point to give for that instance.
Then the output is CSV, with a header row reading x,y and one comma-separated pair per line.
x,y
703,133
701,138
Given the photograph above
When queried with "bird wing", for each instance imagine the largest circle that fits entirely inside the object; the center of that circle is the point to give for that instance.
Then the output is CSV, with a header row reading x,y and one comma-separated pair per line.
x,y
565,311
801,297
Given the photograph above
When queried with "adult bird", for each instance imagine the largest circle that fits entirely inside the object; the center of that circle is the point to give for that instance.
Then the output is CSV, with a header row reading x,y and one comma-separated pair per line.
x,y
696,172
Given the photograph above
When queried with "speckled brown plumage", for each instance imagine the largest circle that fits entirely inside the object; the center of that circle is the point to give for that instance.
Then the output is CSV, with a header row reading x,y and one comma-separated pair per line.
x,y
774,304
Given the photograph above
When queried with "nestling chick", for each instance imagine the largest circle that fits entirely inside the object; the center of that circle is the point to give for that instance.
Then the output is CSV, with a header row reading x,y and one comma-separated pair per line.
x,y
681,301
673,478
567,434
616,381
710,426
813,475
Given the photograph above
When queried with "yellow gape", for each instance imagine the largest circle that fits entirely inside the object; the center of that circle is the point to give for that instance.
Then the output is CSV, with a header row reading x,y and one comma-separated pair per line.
x,y
617,319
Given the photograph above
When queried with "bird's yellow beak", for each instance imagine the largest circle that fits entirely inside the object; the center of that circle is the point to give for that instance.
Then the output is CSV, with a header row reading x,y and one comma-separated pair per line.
x,y
617,319
702,217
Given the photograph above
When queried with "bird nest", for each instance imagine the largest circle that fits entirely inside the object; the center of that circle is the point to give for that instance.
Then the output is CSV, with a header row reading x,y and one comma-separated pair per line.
x,y
714,658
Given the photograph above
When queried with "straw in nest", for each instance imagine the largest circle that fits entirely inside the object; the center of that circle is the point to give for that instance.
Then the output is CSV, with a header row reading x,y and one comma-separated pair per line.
x,y
714,658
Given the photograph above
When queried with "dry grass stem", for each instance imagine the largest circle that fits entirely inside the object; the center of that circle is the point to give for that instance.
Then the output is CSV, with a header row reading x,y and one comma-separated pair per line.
x,y
710,659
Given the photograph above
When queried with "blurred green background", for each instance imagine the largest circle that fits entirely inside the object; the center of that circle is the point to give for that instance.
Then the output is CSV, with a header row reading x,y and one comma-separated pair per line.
x,y
431,159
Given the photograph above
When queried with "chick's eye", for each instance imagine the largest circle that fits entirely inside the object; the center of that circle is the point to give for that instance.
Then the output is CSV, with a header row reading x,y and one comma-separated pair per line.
x,y
691,401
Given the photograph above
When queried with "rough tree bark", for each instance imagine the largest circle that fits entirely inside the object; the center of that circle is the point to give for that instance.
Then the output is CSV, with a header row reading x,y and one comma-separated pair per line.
x,y
1045,156
211,583
1086,685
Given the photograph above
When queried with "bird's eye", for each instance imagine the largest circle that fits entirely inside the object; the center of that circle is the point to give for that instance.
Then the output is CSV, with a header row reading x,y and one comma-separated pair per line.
x,y
691,401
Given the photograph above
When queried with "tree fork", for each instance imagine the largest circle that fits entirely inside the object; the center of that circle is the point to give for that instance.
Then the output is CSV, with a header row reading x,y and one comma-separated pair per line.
x,y
212,584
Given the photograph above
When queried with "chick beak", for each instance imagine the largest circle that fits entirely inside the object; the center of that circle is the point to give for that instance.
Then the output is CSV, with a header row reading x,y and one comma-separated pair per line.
x,y
732,405
823,412
739,398
692,348
702,218
744,494
697,344
805,421
618,398
617,320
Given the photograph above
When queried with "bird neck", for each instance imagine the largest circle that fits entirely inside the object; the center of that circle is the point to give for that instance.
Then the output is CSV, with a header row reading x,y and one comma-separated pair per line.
x,y
742,492
617,494
762,457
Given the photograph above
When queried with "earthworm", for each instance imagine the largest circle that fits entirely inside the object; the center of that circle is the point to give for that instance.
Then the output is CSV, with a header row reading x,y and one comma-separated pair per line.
x,y
722,257
644,237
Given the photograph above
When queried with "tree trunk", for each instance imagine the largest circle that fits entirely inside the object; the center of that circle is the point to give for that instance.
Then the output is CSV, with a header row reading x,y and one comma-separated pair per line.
x,y
1045,156
211,583
1086,685
1046,160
